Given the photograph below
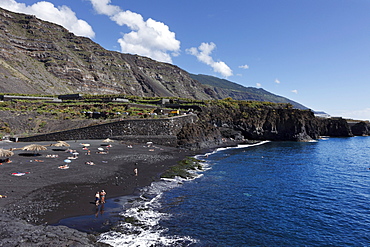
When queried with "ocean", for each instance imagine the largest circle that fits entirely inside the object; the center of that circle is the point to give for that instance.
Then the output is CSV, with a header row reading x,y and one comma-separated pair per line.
x,y
270,194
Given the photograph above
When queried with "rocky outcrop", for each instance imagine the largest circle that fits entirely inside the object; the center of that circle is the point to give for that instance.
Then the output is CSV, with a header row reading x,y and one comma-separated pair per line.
x,y
335,127
222,123
279,124
218,125
360,129
17,232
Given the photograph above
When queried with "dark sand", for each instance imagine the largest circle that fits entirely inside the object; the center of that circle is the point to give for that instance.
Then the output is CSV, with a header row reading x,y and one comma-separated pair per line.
x,y
47,194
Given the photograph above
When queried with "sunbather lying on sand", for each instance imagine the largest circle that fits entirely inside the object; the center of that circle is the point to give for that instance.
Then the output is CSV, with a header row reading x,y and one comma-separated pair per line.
x,y
52,156
63,167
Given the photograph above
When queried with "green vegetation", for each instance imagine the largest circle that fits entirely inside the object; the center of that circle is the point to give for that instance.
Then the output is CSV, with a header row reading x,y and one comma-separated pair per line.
x,y
182,168
42,124
237,104
5,129
87,110
135,107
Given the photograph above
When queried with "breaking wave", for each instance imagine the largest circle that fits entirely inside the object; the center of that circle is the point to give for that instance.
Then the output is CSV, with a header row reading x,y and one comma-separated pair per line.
x,y
140,221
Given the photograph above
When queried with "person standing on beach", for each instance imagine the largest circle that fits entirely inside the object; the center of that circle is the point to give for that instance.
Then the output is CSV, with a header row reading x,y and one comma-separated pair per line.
x,y
97,198
102,196
135,169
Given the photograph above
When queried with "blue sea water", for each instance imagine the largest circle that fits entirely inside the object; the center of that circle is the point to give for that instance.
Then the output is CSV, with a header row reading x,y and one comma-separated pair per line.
x,y
273,194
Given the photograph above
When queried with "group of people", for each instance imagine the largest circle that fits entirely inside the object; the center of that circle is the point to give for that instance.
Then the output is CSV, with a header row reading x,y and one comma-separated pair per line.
x,y
100,197
73,152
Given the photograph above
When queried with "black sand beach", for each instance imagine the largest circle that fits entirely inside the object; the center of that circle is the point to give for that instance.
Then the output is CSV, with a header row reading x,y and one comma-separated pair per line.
x,y
46,194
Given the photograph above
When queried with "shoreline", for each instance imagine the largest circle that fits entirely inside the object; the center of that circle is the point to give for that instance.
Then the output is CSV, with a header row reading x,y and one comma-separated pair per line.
x,y
46,194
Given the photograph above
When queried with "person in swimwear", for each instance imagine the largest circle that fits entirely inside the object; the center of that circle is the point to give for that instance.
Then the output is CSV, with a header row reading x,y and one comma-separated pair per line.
x,y
102,196
97,198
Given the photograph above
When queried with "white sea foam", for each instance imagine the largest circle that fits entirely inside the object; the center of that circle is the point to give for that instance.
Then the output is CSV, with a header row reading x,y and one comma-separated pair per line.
x,y
226,148
140,226
243,146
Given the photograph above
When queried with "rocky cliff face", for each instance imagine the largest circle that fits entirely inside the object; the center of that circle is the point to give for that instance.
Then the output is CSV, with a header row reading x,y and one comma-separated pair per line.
x,y
360,129
220,124
38,57
335,127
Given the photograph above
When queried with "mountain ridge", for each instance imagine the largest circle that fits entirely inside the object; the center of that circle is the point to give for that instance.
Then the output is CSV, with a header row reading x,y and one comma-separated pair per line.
x,y
241,92
39,57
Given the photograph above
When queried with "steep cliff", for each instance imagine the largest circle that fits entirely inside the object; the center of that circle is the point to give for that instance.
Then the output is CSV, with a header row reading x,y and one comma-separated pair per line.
x,y
335,127
239,120
360,129
38,57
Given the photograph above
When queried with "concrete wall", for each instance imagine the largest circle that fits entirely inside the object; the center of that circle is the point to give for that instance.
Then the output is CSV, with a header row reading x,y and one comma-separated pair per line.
x,y
139,130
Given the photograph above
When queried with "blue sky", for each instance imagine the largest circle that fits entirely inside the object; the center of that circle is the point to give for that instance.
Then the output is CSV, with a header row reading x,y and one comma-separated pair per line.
x,y
314,52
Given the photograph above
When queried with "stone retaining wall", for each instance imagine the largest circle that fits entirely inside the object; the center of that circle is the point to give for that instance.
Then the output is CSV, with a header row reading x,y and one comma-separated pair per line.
x,y
165,140
137,129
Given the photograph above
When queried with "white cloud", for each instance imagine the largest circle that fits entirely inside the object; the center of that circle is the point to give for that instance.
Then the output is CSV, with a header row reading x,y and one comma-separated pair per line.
x,y
203,54
103,7
147,38
61,15
258,85
277,81
244,66
294,91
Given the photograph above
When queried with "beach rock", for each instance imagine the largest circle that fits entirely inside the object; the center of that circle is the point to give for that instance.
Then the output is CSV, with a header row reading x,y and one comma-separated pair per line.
x,y
16,232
